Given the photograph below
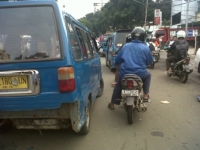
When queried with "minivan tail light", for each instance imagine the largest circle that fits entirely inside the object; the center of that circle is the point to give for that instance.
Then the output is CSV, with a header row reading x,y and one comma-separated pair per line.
x,y
66,79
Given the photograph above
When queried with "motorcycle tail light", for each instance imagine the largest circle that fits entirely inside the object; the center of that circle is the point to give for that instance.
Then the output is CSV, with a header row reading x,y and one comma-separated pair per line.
x,y
187,60
129,84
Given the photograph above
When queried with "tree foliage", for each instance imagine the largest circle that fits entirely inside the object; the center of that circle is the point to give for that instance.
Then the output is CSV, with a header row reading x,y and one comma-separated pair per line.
x,y
125,14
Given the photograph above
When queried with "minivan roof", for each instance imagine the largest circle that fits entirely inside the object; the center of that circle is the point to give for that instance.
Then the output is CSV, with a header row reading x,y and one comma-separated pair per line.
x,y
124,30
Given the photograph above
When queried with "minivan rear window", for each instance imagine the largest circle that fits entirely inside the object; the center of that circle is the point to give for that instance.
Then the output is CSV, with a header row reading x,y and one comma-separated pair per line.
x,y
159,33
28,33
121,38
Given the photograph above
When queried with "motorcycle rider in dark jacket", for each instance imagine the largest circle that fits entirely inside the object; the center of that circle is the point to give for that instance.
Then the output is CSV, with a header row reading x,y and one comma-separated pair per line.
x,y
174,53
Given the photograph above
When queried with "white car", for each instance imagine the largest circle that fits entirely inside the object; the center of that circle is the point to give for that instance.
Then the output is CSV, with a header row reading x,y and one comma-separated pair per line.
x,y
197,60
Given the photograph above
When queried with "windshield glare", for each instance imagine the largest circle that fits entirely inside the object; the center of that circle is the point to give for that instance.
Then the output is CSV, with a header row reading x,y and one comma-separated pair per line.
x,y
25,35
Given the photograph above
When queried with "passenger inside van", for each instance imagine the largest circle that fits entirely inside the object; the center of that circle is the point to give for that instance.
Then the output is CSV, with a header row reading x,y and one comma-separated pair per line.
x,y
55,53
45,47
12,47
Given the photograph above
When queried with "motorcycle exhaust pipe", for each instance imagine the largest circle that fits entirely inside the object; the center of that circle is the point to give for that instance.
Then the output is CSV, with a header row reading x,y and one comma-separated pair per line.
x,y
143,108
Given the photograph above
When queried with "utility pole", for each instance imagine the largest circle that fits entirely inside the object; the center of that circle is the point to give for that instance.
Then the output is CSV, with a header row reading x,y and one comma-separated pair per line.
x,y
186,21
146,7
145,20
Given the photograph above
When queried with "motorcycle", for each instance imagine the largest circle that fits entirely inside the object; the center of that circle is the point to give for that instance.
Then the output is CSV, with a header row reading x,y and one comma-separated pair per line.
x,y
156,54
131,95
181,69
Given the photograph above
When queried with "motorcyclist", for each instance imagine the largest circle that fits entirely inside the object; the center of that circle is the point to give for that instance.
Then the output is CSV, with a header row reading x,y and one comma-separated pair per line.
x,y
134,57
170,42
155,42
176,55
128,39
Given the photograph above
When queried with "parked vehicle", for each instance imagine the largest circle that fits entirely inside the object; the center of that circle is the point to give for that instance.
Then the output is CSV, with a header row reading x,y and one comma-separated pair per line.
x,y
54,85
114,42
131,95
181,69
197,60
164,34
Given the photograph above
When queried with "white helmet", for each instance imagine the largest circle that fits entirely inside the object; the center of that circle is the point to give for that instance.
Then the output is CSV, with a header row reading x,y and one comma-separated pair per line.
x,y
181,34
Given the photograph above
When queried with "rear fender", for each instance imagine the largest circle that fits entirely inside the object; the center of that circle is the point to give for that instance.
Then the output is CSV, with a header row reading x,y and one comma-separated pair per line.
x,y
129,100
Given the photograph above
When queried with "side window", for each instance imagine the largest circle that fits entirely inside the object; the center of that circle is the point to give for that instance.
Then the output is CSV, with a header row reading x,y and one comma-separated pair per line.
x,y
87,44
83,47
76,51
93,49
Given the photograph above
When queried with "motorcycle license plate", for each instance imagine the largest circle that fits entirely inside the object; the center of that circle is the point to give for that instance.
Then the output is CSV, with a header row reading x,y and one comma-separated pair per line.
x,y
187,68
130,92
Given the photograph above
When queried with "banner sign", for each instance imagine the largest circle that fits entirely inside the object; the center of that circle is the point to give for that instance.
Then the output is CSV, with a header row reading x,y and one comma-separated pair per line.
x,y
157,16
156,20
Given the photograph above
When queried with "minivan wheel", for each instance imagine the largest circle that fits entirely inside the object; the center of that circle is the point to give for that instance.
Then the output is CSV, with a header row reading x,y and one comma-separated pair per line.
x,y
101,88
5,125
199,68
106,62
86,127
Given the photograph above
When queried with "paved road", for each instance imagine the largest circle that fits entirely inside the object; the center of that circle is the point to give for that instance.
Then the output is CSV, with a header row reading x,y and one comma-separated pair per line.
x,y
172,126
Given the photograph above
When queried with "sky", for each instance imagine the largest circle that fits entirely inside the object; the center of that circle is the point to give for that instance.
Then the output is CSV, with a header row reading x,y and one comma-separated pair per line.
x,y
79,8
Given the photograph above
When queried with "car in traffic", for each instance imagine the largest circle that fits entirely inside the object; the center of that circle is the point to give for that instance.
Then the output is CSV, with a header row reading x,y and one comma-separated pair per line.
x,y
197,60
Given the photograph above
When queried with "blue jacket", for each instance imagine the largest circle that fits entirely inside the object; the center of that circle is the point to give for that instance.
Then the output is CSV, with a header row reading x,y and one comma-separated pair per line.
x,y
134,57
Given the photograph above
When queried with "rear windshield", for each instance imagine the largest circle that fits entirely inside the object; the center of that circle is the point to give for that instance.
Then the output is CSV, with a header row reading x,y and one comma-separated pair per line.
x,y
28,33
121,38
160,33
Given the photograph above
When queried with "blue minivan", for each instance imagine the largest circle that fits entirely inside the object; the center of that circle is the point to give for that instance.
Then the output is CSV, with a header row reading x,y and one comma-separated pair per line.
x,y
50,69
113,43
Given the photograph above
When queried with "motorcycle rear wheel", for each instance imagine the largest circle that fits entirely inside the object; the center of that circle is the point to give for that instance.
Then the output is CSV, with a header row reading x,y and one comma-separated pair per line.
x,y
183,77
158,57
129,114
152,65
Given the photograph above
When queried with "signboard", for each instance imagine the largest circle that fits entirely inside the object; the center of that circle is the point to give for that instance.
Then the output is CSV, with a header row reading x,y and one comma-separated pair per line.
x,y
190,33
157,16
157,13
156,20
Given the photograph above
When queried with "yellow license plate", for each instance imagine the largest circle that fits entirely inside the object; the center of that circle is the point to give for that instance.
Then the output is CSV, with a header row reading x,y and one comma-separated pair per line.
x,y
14,82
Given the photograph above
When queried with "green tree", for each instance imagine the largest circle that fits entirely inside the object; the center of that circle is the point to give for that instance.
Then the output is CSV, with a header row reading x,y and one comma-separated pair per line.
x,y
125,14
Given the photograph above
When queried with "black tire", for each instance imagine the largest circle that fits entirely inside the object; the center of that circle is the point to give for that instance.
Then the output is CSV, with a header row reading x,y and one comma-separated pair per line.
x,y
129,110
169,75
158,56
106,63
199,68
101,88
86,127
183,77
111,69
152,65
7,125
